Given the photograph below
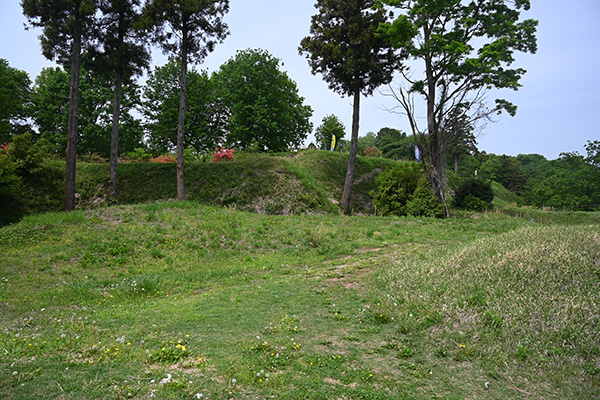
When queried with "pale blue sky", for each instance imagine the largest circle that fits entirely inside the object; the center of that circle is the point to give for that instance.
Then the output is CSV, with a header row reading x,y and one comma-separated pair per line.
x,y
559,102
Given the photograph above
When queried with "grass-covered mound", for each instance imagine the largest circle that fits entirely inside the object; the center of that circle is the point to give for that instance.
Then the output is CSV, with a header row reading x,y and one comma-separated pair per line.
x,y
173,300
306,182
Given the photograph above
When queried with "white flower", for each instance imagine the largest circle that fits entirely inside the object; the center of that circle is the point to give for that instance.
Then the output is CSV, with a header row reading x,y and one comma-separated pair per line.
x,y
166,380
234,381
199,395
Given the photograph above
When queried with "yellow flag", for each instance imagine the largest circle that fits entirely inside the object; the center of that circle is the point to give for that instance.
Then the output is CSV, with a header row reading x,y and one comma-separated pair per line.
x,y
332,142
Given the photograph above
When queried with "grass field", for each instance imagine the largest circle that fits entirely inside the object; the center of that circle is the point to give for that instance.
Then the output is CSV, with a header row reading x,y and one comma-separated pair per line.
x,y
182,301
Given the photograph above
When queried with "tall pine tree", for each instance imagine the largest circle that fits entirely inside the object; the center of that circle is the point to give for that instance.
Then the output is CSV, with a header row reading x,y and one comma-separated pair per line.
x,y
345,48
67,28
189,30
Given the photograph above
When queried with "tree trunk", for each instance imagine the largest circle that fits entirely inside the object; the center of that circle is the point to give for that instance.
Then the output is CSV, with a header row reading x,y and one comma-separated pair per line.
x,y
114,140
349,183
437,143
181,123
456,164
71,156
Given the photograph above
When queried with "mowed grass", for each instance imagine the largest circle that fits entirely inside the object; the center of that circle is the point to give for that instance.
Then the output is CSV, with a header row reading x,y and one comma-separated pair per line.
x,y
183,301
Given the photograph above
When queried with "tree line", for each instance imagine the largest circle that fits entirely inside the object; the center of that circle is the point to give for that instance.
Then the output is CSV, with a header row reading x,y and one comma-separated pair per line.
x,y
466,50
224,109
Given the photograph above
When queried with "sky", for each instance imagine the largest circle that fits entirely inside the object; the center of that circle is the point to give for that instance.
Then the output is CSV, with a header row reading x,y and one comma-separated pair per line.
x,y
558,104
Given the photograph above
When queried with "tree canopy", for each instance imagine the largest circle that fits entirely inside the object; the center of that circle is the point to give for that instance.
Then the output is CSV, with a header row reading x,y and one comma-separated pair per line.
x,y
205,118
330,126
345,47
15,97
188,30
465,49
266,113
67,28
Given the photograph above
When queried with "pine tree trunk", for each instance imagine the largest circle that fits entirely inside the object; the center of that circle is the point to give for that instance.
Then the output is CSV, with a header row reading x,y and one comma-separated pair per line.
x,y
349,183
114,141
181,123
71,156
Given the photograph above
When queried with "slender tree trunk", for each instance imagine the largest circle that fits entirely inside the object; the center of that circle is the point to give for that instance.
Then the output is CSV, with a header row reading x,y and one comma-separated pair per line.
x,y
181,123
114,140
71,156
348,185
437,145
456,164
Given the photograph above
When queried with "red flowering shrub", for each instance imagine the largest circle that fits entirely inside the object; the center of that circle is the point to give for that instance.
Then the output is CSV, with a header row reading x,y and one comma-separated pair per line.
x,y
223,155
164,158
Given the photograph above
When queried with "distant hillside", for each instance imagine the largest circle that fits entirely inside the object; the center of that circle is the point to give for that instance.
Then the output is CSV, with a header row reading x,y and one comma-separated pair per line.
x,y
307,182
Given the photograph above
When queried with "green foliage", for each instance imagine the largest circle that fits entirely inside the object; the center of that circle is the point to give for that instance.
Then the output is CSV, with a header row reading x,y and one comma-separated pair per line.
x,y
395,187
505,170
186,27
62,23
367,141
571,181
330,126
205,121
266,113
51,112
27,155
395,144
474,194
10,183
50,106
466,49
29,180
344,46
423,202
15,94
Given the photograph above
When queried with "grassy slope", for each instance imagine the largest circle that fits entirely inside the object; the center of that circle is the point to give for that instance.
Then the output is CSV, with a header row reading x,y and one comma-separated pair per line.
x,y
105,304
309,182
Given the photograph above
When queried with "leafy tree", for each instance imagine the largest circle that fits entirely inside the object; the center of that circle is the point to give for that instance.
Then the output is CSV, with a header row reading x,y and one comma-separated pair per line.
x,y
570,182
344,46
67,27
330,126
369,140
593,152
205,121
266,112
395,187
533,165
395,144
15,94
50,110
466,49
474,194
189,30
505,170
461,139
120,55
50,113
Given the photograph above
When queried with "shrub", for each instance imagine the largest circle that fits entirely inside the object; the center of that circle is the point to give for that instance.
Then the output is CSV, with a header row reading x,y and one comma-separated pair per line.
x,y
164,159
93,158
395,187
9,191
223,155
423,202
474,194
139,154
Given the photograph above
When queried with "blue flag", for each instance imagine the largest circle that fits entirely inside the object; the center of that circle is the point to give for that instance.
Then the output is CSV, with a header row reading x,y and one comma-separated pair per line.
x,y
417,155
